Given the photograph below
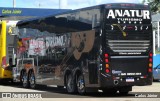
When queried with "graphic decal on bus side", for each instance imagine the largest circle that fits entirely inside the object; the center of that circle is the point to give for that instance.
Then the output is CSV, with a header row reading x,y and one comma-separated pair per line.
x,y
82,42
53,52
42,46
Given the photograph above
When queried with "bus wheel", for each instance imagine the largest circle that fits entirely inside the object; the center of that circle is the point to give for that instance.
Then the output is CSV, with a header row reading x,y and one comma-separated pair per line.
x,y
25,82
32,80
70,84
80,84
154,80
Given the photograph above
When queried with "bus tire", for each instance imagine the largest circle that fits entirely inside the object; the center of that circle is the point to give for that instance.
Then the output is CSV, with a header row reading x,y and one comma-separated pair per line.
x,y
70,84
80,84
32,79
25,81
155,80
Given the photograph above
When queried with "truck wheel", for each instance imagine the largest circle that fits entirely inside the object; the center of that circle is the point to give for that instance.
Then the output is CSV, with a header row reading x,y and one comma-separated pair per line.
x,y
25,81
80,84
32,80
70,84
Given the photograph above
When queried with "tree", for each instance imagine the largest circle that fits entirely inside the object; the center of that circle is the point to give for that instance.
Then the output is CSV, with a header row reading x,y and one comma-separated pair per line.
x,y
154,5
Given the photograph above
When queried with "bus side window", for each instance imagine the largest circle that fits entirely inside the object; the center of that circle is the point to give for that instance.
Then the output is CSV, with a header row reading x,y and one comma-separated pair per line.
x,y
94,20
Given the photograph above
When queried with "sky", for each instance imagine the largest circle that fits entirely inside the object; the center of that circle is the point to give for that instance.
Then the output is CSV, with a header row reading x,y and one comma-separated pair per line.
x,y
65,4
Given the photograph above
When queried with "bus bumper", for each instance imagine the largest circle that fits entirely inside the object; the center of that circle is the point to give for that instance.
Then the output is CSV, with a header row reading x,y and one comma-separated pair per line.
x,y
121,82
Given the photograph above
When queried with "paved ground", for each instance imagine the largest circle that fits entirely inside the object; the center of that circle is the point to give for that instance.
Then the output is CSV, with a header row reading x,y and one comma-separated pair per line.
x,y
61,95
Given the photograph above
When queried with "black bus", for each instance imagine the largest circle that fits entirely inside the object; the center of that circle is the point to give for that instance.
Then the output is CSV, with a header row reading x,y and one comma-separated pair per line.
x,y
106,47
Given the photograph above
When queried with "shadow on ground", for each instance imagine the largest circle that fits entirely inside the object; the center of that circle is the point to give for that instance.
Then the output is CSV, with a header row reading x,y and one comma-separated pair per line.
x,y
55,92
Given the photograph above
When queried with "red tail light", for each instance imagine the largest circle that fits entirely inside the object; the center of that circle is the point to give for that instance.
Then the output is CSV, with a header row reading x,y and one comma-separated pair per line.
x,y
150,59
106,60
149,69
4,61
150,62
106,55
107,70
145,76
150,54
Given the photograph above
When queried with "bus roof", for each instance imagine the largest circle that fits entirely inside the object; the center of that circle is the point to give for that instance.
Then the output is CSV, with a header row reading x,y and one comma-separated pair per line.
x,y
108,5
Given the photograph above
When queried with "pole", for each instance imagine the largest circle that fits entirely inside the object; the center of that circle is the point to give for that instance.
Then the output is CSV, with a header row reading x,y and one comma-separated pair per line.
x,y
39,5
59,4
158,34
154,43
14,3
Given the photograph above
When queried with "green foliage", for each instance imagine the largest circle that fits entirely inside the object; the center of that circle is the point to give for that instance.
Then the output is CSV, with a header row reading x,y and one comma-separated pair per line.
x,y
157,52
154,5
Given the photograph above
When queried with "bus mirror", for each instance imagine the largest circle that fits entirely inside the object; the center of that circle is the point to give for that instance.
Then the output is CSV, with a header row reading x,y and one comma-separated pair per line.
x,y
14,59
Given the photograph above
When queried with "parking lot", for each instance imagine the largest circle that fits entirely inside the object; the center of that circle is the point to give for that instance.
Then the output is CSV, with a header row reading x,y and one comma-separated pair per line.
x,y
51,92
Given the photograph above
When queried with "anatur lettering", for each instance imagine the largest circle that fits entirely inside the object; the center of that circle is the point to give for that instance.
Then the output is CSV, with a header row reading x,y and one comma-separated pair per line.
x,y
128,13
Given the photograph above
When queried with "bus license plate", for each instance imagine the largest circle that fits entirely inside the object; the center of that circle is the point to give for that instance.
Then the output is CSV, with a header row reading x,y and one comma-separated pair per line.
x,y
130,80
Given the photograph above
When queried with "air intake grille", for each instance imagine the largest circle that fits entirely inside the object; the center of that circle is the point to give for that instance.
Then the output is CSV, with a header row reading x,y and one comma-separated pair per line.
x,y
129,45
